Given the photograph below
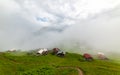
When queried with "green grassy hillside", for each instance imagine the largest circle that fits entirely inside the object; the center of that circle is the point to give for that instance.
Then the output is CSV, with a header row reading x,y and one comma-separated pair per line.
x,y
19,63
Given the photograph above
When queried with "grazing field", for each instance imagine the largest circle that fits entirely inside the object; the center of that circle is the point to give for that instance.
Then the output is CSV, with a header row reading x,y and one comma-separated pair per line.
x,y
20,63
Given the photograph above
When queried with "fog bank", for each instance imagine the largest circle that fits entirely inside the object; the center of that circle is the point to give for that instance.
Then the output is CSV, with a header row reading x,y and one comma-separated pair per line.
x,y
79,25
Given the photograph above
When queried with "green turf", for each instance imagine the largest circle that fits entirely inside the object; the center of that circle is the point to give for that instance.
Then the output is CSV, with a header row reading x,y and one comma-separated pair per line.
x,y
22,64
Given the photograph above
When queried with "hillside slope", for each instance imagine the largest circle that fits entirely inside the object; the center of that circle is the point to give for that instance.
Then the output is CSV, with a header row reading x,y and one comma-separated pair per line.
x,y
23,64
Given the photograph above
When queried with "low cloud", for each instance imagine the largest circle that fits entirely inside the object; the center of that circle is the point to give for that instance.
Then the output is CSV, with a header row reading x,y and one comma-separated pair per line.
x,y
64,23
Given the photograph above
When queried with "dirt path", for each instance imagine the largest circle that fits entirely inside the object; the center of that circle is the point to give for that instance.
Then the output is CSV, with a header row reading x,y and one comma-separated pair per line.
x,y
80,72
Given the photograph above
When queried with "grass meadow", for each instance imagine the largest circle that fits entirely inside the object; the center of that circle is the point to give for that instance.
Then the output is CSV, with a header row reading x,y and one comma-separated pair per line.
x,y
20,63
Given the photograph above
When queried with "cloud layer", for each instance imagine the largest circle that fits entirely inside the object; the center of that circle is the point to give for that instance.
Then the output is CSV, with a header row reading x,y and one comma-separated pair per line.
x,y
36,23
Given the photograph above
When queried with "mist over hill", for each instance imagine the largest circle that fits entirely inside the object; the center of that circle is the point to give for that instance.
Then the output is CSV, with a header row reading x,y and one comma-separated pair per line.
x,y
81,25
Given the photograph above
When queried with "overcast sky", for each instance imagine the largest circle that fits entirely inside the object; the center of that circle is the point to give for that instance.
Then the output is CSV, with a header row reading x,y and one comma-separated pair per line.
x,y
27,24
